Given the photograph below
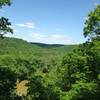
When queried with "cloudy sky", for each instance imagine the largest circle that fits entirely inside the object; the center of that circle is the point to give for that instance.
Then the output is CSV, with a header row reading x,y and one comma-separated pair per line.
x,y
49,21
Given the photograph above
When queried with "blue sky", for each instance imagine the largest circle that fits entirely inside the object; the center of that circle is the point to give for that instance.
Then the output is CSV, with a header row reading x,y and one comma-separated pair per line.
x,y
49,21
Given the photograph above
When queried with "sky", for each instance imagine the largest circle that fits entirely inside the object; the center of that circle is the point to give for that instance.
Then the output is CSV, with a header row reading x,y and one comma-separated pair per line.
x,y
49,21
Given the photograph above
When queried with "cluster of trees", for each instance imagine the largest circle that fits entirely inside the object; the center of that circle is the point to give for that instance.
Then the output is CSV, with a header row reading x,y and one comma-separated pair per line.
x,y
75,77
81,68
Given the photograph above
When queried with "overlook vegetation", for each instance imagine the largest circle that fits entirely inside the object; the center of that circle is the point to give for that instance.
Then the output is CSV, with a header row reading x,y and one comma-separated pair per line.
x,y
20,48
29,60
34,71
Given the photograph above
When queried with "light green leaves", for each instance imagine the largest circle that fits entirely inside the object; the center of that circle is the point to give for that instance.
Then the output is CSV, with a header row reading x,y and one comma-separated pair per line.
x,y
92,24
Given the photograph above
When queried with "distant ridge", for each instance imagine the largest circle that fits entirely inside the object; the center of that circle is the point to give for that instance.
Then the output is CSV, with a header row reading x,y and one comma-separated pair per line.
x,y
19,48
15,46
44,45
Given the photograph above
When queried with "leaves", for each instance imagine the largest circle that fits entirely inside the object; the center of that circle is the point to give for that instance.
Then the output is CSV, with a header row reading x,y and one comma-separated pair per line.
x,y
5,26
92,24
22,88
5,2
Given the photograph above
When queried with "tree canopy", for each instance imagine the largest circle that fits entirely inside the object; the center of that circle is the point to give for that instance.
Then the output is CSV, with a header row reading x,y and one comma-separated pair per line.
x,y
92,24
5,2
5,25
29,72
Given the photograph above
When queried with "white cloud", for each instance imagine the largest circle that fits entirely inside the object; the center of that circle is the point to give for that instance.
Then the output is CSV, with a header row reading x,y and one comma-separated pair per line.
x,y
26,25
50,39
15,30
44,38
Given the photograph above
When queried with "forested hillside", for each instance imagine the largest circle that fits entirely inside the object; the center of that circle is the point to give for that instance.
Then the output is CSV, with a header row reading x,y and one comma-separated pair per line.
x,y
30,60
20,48
35,71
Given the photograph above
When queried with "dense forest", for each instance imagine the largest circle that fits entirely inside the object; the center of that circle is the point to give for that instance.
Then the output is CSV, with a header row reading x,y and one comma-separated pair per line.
x,y
36,71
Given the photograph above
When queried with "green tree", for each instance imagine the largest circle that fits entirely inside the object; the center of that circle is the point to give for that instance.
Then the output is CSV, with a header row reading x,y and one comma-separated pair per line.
x,y
7,83
5,25
82,67
5,2
92,24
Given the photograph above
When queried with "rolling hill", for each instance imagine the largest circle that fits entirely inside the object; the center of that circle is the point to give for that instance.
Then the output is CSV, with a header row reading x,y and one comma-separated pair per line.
x,y
18,48
18,45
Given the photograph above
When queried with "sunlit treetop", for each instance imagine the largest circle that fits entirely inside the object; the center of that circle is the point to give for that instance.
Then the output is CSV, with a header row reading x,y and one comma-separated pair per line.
x,y
92,24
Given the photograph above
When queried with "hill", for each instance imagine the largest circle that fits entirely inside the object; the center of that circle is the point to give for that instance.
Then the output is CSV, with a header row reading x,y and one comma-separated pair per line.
x,y
18,48
43,45
47,53
14,45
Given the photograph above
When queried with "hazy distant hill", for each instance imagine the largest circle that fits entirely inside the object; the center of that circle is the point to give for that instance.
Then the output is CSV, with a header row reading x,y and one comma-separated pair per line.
x,y
19,47
43,45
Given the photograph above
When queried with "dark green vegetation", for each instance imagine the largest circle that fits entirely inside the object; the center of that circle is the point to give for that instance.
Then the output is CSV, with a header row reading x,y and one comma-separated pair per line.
x,y
30,61
5,2
51,71
5,25
20,48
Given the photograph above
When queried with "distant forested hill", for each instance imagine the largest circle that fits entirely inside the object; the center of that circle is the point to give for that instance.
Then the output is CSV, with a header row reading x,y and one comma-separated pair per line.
x,y
45,53
43,45
33,62
57,47
15,46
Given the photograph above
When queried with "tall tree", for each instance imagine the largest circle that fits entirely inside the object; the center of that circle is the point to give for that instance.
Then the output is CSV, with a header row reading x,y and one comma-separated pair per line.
x,y
5,25
92,24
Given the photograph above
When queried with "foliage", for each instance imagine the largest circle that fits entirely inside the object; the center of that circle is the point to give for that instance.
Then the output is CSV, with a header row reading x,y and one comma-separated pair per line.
x,y
51,72
5,25
7,83
92,24
28,61
5,2
82,91
81,68
22,88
